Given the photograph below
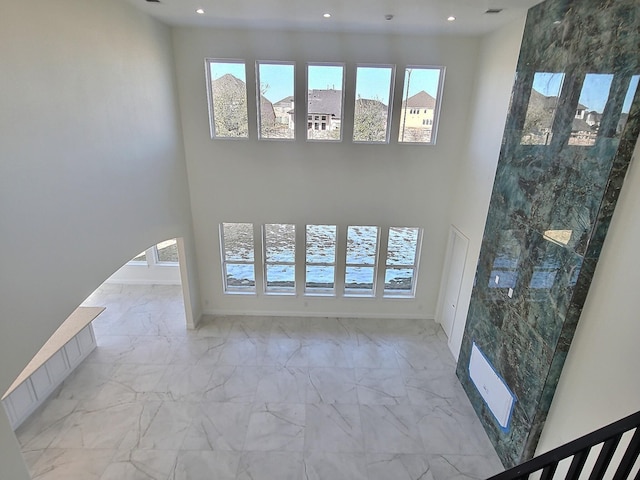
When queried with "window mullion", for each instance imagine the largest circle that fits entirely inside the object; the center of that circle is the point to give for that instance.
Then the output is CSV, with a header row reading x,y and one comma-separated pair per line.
x,y
300,256
340,259
152,256
258,242
382,262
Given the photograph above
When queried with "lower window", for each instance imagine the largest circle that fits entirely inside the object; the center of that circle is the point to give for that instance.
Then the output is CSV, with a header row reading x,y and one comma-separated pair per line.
x,y
238,257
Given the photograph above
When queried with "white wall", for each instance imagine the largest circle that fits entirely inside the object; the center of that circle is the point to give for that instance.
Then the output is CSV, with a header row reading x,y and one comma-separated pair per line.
x,y
266,182
494,79
599,383
92,168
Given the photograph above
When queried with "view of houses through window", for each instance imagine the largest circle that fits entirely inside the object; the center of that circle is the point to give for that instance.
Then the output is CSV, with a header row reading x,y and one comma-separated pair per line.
x,y
420,104
275,101
372,114
357,265
276,86
324,102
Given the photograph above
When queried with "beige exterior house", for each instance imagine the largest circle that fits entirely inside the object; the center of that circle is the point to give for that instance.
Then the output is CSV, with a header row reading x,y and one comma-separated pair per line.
x,y
416,118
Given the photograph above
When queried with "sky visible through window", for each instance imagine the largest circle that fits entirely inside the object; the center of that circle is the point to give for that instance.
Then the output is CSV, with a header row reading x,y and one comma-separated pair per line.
x,y
595,91
276,81
373,83
325,77
547,83
633,86
421,78
219,69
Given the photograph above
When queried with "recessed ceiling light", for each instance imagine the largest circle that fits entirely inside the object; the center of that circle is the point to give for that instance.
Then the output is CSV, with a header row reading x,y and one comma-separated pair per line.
x,y
450,18
200,11
327,15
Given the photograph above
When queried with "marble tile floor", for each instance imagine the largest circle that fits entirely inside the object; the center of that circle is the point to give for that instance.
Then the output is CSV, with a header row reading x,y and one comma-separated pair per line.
x,y
256,398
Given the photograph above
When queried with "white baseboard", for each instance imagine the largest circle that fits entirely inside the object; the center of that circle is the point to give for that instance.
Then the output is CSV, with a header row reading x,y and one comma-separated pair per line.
x,y
142,282
271,313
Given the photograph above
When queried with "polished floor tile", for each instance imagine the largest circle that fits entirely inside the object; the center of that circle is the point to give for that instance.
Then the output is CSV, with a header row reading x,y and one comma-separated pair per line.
x,y
252,398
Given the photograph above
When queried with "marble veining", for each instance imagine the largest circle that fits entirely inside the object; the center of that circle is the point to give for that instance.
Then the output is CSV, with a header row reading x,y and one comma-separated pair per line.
x,y
566,148
252,398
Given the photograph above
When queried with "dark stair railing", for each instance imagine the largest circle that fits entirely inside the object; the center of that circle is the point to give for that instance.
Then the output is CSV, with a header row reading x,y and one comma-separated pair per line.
x,y
579,449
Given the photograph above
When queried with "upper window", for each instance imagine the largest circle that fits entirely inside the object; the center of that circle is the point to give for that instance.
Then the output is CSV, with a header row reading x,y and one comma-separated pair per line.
x,y
362,256
276,88
238,264
324,102
280,258
320,259
402,261
372,114
228,98
420,104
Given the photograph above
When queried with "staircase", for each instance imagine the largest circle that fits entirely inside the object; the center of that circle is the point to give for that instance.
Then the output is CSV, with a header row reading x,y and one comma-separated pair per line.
x,y
609,438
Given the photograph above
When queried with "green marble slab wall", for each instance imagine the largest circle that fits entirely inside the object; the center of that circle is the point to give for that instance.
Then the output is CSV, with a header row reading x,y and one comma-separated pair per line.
x,y
572,126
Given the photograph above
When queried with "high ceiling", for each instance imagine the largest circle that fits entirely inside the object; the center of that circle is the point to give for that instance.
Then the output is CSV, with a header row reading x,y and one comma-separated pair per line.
x,y
409,16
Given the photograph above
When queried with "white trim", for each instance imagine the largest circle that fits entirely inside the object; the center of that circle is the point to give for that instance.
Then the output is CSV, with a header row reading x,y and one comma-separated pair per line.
x,y
185,284
288,313
139,281
444,276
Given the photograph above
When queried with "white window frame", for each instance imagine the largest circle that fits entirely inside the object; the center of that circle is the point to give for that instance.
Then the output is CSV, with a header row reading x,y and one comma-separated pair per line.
x,y
326,292
259,103
392,84
278,290
436,110
212,124
248,290
344,75
414,266
354,292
